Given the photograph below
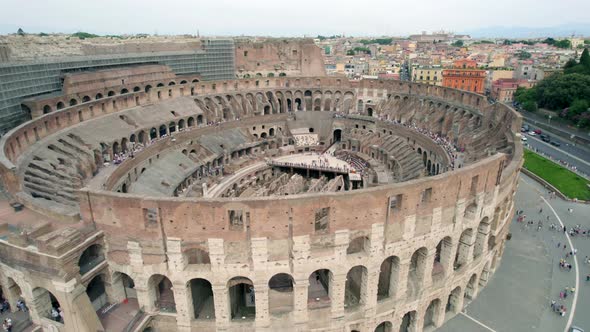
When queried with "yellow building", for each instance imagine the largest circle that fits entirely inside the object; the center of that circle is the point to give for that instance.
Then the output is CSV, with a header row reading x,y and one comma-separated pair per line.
x,y
428,75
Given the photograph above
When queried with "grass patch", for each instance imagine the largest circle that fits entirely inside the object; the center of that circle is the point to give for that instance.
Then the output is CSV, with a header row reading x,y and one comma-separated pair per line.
x,y
569,183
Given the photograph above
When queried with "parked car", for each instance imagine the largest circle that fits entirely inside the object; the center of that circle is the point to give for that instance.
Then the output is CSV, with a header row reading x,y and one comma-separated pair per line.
x,y
538,131
545,138
532,133
555,143
526,127
523,138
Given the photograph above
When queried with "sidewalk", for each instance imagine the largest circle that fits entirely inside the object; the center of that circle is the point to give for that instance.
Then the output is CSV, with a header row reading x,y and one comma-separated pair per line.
x,y
560,129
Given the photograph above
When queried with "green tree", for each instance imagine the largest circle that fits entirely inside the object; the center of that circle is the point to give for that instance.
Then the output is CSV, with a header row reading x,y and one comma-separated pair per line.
x,y
20,32
458,43
585,58
577,108
523,55
570,64
560,90
530,106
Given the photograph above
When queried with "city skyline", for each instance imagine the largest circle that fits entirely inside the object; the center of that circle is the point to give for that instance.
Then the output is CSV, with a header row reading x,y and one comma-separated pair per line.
x,y
266,18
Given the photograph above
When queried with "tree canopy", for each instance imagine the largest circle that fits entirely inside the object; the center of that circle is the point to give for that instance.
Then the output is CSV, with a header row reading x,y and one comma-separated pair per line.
x,y
458,43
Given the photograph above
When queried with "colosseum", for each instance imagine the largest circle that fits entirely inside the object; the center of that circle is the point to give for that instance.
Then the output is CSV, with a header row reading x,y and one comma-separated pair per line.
x,y
146,200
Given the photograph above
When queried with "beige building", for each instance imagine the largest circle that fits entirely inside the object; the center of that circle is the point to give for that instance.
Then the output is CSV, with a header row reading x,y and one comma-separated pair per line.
x,y
135,204
428,75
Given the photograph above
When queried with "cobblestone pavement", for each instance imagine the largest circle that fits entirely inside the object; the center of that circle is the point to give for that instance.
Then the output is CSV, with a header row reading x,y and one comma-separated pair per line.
x,y
518,296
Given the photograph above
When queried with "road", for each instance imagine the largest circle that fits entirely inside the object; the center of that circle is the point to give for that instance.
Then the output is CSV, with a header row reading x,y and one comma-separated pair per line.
x,y
573,155
518,295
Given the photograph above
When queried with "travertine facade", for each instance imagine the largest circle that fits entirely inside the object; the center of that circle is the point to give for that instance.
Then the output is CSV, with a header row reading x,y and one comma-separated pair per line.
x,y
201,252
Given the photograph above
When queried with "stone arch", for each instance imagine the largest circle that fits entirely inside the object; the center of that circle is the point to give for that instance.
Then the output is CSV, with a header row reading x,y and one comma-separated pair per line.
x,y
123,286
181,123
408,323
153,133
432,315
356,286
242,300
124,91
59,105
199,119
116,148
73,102
471,287
388,278
111,93
417,270
46,109
46,304
162,130
183,82
172,127
454,302
85,99
271,132
280,293
90,258
160,293
201,297
442,259
483,230
191,122
484,275
96,292
136,89
358,245
147,88
384,327
98,96
319,290
464,248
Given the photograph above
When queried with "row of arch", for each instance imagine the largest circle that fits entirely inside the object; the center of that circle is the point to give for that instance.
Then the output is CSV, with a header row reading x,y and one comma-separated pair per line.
x,y
73,101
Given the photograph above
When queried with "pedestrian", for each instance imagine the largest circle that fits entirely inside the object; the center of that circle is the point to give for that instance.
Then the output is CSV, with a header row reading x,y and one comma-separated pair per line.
x,y
564,229
561,295
573,290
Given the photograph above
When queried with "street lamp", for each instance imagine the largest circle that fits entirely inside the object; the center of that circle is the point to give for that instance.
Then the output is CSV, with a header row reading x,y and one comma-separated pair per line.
x,y
549,120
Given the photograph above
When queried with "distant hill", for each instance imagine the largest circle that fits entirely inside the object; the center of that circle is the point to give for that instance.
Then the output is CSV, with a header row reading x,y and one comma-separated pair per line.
x,y
565,30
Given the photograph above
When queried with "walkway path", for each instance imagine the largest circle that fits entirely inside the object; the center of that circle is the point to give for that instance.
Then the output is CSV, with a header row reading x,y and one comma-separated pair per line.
x,y
518,296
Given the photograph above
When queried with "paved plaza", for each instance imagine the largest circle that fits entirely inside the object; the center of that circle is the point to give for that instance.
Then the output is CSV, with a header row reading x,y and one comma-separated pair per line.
x,y
518,296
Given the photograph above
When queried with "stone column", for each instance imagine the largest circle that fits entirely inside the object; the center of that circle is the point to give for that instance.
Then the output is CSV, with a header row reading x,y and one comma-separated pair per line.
x,y
176,261
216,253
341,240
262,309
115,290
222,313
337,288
370,294
459,213
79,315
429,261
401,288
300,290
409,227
184,306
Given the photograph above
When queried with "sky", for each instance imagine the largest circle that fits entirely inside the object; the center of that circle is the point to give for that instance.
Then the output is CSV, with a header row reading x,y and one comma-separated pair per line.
x,y
284,18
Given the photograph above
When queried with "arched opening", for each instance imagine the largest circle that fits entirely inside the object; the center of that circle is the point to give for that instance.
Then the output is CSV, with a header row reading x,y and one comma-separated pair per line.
x,y
408,322
85,99
431,317
111,93
471,288
153,133
242,299
96,292
271,132
202,298
355,289
266,109
318,292
141,137
91,257
98,96
60,105
46,109
46,304
14,296
161,294
263,135
147,88
298,104
455,302
199,119
191,122
73,102
171,127
163,131
280,294
384,327
116,148
123,287
370,111
416,273
124,188
180,124
183,82
485,273
124,145
197,256
124,91
358,245
160,85
337,135
388,278
282,74
195,81
136,89
442,259
171,83
464,248
483,229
